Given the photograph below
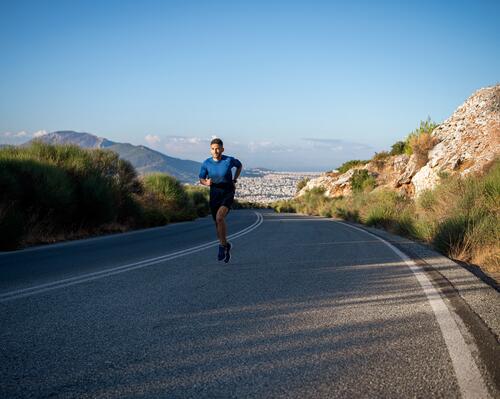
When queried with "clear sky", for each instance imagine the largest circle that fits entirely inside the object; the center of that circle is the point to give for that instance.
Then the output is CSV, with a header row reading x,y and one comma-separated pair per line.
x,y
290,85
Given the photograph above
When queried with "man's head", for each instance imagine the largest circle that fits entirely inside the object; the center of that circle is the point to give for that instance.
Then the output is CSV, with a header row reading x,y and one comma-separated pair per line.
x,y
216,148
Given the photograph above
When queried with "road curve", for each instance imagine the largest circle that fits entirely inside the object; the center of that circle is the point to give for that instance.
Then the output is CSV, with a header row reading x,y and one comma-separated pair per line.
x,y
307,308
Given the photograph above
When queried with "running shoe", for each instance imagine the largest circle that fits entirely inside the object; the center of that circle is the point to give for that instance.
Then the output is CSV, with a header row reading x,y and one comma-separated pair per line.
x,y
228,252
222,252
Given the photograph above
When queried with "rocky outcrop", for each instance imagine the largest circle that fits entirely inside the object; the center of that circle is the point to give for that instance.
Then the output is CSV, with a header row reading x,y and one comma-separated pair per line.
x,y
334,184
464,143
467,141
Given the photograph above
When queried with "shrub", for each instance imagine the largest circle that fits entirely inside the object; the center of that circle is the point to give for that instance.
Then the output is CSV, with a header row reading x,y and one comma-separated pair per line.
x,y
12,226
284,206
49,191
350,164
420,146
427,200
423,145
380,158
198,198
362,180
170,195
398,148
469,217
381,209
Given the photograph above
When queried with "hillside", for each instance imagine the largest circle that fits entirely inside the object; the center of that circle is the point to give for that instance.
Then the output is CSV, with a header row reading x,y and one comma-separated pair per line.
x,y
143,159
463,144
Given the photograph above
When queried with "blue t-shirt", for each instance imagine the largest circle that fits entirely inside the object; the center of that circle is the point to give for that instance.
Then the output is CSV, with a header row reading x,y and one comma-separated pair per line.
x,y
219,171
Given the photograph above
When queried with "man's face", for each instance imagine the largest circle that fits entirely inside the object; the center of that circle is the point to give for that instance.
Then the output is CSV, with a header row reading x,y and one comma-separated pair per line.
x,y
216,150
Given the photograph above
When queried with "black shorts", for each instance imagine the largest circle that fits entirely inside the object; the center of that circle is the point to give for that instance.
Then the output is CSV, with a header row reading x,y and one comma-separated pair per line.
x,y
221,195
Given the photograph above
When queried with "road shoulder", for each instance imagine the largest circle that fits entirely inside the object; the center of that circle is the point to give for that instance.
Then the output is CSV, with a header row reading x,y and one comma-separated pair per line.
x,y
475,303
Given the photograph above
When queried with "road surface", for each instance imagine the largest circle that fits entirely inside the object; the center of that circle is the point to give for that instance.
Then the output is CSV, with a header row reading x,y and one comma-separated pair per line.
x,y
307,308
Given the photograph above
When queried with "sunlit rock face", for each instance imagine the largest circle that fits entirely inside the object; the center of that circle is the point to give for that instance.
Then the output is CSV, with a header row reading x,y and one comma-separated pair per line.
x,y
334,184
465,143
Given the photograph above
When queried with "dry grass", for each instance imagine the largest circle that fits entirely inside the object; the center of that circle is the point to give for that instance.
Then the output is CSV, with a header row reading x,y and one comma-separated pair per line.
x,y
460,217
421,145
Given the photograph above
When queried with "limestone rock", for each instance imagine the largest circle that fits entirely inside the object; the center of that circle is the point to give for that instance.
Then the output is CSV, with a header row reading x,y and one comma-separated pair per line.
x,y
410,171
426,178
467,141
334,184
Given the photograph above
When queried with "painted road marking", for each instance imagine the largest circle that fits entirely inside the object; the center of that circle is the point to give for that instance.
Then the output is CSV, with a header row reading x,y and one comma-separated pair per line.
x,y
469,378
38,289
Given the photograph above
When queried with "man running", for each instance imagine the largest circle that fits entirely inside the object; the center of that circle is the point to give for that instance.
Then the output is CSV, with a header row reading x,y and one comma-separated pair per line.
x,y
216,172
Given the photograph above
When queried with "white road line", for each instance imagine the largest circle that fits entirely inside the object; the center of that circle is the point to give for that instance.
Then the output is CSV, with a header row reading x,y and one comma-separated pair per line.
x,y
37,289
469,377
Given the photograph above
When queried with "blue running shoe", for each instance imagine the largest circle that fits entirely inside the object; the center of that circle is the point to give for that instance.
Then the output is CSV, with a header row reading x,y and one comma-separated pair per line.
x,y
222,252
228,252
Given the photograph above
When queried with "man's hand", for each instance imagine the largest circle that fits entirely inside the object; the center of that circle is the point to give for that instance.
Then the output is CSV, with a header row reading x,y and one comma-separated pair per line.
x,y
206,182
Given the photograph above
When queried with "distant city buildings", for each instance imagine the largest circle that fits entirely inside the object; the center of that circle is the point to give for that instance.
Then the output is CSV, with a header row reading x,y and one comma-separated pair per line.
x,y
270,186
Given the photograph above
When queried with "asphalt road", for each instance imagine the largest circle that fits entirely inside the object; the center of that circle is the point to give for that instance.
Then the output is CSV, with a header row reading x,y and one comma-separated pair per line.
x,y
307,308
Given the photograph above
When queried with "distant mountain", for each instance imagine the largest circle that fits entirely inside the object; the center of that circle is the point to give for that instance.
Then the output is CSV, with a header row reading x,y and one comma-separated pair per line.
x,y
85,140
144,159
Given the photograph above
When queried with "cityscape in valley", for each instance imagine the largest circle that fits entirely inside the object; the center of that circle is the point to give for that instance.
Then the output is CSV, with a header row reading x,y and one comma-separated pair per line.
x,y
268,186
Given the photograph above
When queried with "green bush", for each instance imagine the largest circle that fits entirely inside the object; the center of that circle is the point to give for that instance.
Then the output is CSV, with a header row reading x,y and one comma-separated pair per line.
x,y
362,180
351,164
171,197
199,199
13,227
284,206
398,148
64,189
427,200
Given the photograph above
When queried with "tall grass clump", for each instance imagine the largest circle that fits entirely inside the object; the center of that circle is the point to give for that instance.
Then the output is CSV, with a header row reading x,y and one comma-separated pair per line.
x,y
55,192
467,218
165,199
301,184
45,189
425,129
362,180
198,199
314,202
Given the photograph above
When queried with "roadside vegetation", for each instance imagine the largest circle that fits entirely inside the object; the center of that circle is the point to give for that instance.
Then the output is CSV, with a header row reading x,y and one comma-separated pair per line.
x,y
460,217
50,193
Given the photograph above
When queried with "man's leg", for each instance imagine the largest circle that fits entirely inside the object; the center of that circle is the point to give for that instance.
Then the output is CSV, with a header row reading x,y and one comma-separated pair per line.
x,y
220,224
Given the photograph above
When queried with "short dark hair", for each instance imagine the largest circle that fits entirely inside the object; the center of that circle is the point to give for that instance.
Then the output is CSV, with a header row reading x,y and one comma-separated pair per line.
x,y
217,141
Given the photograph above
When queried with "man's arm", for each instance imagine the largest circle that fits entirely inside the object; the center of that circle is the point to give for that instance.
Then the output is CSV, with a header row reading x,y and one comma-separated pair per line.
x,y
237,174
203,175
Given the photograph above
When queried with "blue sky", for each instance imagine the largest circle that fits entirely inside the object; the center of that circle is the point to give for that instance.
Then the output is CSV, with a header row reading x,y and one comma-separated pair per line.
x,y
290,85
